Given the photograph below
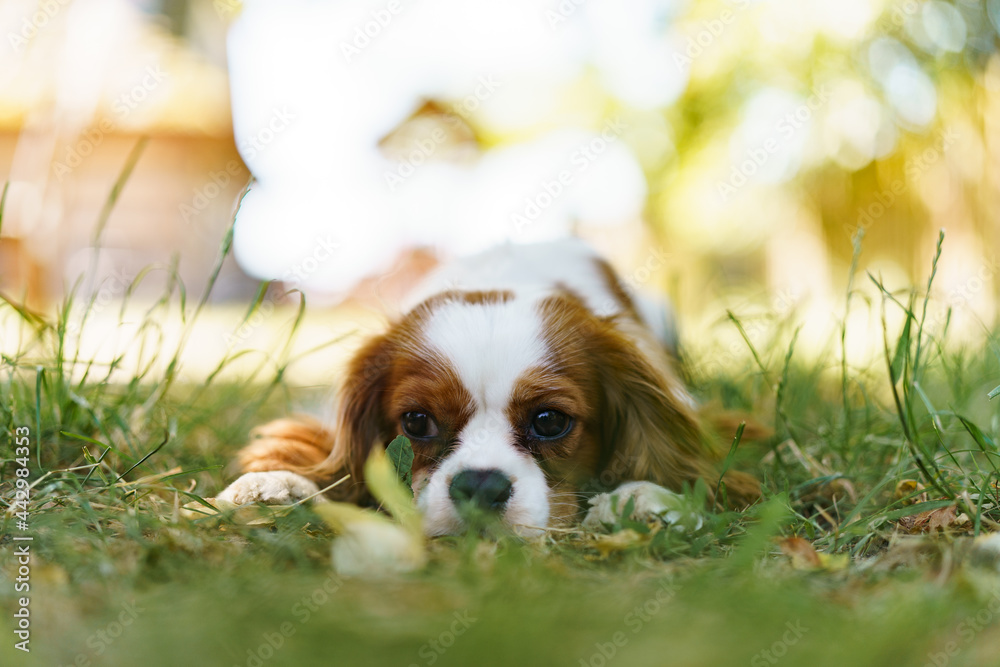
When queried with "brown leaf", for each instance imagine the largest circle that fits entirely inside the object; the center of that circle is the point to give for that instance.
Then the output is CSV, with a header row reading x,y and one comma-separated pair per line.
x,y
907,488
941,519
932,521
802,553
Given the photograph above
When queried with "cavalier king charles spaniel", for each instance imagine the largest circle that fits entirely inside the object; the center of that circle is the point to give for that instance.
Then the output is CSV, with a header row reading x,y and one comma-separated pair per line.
x,y
520,376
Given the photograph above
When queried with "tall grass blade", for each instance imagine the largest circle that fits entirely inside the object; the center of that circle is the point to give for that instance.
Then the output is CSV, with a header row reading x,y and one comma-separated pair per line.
x,y
3,202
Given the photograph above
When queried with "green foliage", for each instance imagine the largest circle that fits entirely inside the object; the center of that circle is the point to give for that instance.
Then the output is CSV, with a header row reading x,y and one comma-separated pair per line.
x,y
400,454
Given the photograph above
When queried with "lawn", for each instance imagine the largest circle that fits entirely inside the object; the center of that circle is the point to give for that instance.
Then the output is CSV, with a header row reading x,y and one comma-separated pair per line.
x,y
870,547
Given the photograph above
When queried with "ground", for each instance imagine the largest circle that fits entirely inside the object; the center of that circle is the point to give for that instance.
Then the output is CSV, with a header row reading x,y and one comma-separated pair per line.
x,y
871,546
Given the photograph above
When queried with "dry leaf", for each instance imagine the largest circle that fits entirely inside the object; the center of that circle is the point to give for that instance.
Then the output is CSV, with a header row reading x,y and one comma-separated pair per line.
x,y
805,557
932,521
620,541
248,515
907,488
802,553
834,562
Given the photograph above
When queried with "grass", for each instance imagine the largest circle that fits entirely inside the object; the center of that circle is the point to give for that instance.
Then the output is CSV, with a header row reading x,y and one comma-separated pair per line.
x,y
865,465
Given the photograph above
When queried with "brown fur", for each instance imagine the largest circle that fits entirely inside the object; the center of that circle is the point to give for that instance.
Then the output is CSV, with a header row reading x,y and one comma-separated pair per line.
x,y
647,431
300,445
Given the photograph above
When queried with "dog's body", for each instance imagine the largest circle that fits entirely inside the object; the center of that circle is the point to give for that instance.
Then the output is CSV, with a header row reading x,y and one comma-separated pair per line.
x,y
519,376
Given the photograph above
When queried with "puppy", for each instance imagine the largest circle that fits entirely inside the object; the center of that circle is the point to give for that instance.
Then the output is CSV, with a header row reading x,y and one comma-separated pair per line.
x,y
519,376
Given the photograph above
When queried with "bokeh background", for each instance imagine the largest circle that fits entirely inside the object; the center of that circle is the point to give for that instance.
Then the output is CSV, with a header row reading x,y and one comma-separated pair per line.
x,y
723,152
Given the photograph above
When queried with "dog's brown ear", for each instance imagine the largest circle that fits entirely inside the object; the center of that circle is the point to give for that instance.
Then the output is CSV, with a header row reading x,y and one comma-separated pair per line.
x,y
304,446
650,428
360,419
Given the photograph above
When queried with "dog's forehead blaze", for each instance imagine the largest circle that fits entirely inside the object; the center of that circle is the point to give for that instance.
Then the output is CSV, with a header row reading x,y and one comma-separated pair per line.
x,y
423,377
420,367
489,339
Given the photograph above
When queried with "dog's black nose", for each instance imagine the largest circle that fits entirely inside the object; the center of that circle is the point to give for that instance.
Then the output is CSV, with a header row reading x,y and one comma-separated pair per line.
x,y
486,489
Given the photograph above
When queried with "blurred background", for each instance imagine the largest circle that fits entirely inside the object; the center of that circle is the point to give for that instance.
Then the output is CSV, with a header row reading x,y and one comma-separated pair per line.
x,y
725,153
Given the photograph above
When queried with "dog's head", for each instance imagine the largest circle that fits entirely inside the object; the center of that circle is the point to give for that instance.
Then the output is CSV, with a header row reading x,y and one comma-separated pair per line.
x,y
512,402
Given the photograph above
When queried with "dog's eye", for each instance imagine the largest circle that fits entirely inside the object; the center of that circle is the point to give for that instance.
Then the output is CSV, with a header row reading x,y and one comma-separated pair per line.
x,y
548,424
418,425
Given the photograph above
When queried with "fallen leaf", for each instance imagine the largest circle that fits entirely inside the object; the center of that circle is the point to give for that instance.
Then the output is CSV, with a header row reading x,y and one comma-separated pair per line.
x,y
370,543
247,515
910,491
801,552
932,521
620,541
834,562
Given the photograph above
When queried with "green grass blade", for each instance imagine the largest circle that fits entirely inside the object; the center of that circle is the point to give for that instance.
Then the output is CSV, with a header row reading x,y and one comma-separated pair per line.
x,y
730,456
3,203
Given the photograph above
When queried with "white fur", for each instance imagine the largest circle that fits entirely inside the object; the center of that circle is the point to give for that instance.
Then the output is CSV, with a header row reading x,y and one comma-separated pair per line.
x,y
489,346
486,443
651,501
527,269
277,487
538,269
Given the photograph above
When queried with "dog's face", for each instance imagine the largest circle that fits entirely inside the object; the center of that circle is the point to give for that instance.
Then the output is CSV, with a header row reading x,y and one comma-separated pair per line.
x,y
511,402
